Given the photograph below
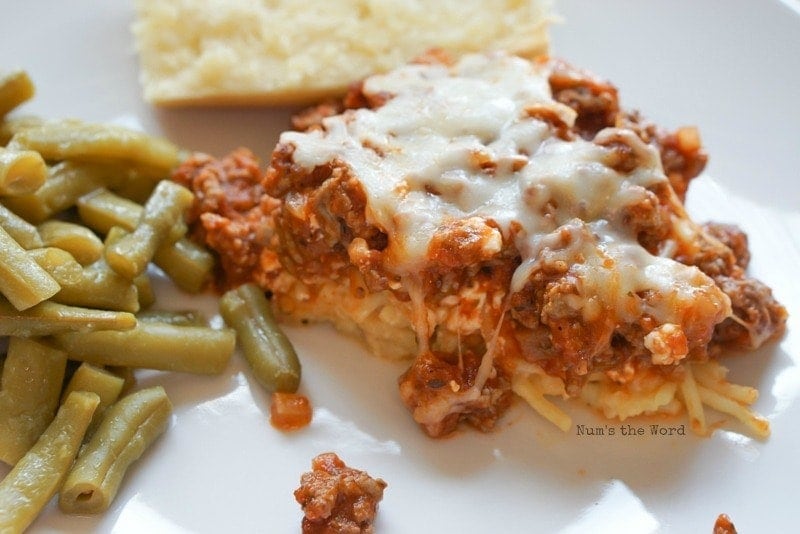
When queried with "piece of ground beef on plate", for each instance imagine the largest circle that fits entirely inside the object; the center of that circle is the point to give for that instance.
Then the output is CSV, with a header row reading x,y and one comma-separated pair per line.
x,y
338,499
724,525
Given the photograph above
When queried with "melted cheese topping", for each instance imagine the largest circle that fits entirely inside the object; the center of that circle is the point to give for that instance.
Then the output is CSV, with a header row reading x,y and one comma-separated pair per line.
x,y
460,141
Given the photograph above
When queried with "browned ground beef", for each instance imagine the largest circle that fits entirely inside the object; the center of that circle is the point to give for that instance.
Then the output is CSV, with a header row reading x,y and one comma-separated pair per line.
x,y
337,499
724,525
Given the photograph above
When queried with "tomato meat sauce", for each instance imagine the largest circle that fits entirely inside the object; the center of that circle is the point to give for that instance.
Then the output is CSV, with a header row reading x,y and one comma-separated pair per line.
x,y
289,411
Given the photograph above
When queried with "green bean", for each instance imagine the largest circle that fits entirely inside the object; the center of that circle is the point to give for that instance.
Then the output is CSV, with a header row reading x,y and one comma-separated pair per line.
x,y
187,264
176,318
48,318
266,348
22,172
21,230
94,286
101,210
82,141
66,182
105,384
82,243
190,349
137,186
114,234
109,291
128,428
127,374
15,88
23,282
59,264
9,126
164,210
31,386
144,291
34,480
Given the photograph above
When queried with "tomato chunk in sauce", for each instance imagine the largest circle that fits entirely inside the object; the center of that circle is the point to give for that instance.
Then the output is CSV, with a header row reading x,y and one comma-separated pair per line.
x,y
289,411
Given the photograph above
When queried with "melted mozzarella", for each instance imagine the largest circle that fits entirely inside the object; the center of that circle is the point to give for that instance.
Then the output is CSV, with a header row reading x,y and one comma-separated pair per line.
x,y
419,158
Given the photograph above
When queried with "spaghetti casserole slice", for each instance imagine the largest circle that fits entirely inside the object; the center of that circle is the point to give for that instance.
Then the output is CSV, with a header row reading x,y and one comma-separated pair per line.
x,y
508,227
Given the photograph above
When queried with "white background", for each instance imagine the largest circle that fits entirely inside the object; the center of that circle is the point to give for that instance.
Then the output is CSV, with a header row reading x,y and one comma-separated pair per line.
x,y
731,68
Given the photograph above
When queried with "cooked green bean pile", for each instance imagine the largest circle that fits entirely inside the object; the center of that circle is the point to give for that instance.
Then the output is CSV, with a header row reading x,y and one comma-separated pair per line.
x,y
84,211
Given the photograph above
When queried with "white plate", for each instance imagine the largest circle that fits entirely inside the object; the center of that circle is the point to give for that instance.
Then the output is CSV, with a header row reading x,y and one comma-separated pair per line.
x,y
732,70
